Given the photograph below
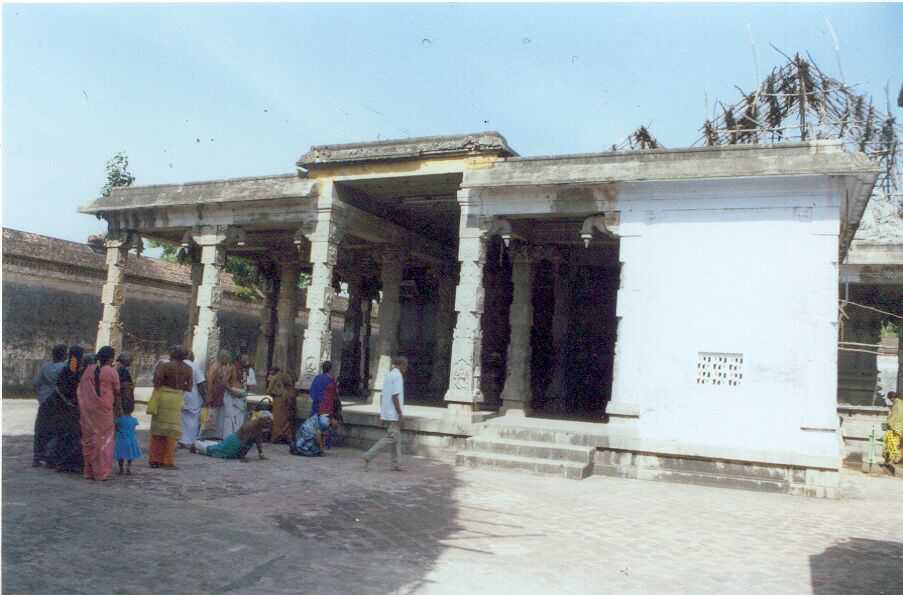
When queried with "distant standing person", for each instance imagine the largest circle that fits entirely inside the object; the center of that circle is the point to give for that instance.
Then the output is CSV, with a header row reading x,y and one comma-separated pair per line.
x,y
893,433
281,387
217,376
98,390
322,383
171,382
126,384
45,387
66,424
127,448
193,402
391,412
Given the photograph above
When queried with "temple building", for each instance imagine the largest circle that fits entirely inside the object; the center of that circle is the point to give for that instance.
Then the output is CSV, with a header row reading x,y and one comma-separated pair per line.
x,y
663,314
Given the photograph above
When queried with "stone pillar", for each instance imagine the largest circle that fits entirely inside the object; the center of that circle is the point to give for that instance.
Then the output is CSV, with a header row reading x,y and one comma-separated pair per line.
x,y
555,397
197,272
109,330
391,271
517,394
464,395
324,248
263,355
366,326
445,323
285,345
206,341
350,375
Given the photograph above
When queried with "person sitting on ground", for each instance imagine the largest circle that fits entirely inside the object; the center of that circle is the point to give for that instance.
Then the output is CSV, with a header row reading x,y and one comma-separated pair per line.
x,y
237,444
311,440
893,433
127,448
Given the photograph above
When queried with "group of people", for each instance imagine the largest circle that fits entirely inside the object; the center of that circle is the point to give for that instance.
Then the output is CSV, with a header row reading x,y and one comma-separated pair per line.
x,y
84,417
85,422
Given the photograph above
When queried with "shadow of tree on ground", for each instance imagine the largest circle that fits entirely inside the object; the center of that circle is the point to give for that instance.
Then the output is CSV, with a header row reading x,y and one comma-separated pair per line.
x,y
858,566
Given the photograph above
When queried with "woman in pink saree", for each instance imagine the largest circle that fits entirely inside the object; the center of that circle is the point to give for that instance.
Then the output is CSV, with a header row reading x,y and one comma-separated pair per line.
x,y
98,391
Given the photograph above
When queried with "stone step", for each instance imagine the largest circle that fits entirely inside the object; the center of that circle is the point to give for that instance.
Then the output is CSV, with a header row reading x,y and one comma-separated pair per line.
x,y
497,461
695,478
530,434
537,450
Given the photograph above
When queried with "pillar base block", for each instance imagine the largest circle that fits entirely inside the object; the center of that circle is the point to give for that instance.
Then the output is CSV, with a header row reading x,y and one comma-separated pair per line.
x,y
622,414
514,409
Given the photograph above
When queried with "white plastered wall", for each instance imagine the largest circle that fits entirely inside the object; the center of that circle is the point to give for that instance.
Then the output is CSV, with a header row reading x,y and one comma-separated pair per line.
x,y
734,268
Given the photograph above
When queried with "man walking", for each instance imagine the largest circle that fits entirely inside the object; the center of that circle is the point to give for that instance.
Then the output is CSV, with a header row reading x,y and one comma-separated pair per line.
x,y
390,411
45,386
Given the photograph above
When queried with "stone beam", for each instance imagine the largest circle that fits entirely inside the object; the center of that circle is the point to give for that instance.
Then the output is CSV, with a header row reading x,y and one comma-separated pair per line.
x,y
362,224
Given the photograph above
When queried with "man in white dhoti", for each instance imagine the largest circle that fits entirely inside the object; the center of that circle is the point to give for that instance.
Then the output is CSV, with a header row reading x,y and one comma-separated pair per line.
x,y
194,401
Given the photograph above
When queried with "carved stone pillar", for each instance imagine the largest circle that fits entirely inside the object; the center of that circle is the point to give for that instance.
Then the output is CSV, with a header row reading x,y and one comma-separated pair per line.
x,y
445,323
464,395
517,394
391,271
324,248
197,273
350,375
555,397
285,345
263,355
109,329
206,341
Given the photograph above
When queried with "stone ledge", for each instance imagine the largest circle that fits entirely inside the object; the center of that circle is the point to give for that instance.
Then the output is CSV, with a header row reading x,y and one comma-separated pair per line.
x,y
725,473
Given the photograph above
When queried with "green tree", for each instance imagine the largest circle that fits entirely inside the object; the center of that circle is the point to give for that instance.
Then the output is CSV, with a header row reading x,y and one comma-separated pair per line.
x,y
118,174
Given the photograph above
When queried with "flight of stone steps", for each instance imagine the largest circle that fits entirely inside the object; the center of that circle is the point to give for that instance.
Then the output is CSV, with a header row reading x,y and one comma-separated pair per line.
x,y
527,449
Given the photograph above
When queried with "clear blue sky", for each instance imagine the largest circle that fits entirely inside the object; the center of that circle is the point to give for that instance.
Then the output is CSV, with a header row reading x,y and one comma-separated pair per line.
x,y
211,91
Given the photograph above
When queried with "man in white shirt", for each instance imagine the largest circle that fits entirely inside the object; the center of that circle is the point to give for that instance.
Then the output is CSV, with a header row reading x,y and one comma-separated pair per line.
x,y
390,411
194,401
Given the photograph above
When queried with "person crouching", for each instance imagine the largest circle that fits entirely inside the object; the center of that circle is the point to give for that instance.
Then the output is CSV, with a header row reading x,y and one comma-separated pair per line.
x,y
237,444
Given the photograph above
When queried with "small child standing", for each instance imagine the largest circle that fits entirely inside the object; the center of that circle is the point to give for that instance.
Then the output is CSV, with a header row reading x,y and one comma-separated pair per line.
x,y
127,448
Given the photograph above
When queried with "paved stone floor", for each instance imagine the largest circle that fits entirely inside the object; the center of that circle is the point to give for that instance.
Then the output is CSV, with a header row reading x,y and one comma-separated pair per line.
x,y
292,525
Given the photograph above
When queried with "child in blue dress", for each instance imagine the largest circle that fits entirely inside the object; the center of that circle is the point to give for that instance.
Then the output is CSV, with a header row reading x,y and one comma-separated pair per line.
x,y
127,448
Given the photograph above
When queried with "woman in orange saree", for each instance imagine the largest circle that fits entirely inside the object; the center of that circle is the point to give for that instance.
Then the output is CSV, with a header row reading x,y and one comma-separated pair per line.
x,y
98,390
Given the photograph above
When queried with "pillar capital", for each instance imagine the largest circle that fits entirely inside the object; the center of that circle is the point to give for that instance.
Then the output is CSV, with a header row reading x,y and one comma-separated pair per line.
x,y
213,235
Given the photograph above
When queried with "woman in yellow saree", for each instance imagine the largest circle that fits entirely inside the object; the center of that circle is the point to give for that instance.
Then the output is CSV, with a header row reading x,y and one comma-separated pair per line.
x,y
171,381
894,431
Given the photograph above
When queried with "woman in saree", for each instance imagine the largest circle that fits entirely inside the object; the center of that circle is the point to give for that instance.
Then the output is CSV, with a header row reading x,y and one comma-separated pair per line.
x,y
281,387
65,418
171,381
98,390
893,433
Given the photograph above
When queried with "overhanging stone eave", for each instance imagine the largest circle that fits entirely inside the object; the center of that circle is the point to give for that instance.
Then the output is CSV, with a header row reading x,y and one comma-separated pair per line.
x,y
246,189
417,148
594,180
861,188
819,158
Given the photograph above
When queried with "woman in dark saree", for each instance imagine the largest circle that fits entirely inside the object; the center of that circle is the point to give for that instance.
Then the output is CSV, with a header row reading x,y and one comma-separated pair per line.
x,y
66,418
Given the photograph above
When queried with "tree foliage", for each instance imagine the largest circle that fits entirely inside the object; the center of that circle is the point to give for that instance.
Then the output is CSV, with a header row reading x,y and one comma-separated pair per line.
x,y
118,174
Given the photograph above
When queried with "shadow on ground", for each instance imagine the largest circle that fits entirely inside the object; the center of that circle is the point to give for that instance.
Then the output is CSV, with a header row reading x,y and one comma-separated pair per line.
x,y
283,525
858,566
